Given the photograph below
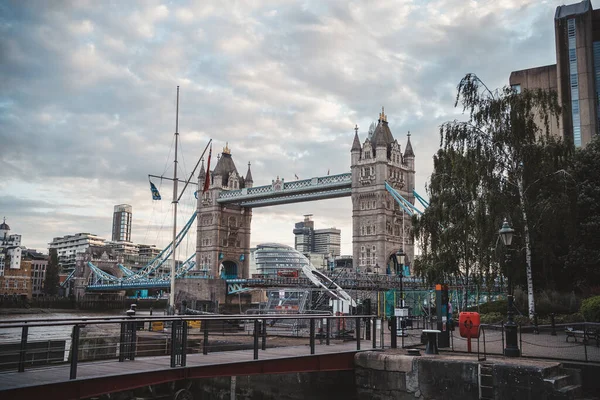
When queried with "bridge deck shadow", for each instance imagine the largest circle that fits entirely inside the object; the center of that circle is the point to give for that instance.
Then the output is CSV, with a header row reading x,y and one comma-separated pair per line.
x,y
101,377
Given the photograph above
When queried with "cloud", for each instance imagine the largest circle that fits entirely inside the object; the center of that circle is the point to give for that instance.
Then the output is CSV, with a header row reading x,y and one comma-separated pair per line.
x,y
87,99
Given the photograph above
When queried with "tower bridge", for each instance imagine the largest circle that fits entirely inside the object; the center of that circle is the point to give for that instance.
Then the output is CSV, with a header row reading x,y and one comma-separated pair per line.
x,y
224,214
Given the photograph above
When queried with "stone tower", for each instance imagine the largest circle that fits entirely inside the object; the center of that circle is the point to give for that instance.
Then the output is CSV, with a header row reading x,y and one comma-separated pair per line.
x,y
223,232
379,225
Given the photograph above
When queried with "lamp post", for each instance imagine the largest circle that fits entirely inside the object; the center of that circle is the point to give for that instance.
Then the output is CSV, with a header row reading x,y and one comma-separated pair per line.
x,y
512,348
399,257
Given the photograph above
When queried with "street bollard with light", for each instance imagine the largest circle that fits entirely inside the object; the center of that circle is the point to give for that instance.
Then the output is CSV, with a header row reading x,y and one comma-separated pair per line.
x,y
512,348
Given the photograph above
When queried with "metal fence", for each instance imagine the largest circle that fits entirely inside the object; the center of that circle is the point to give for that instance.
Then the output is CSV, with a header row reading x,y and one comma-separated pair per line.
x,y
27,344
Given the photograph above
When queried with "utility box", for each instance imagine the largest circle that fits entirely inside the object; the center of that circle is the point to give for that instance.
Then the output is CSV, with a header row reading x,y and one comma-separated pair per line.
x,y
441,302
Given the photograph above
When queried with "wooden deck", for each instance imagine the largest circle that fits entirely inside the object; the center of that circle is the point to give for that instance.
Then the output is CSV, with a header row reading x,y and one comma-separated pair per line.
x,y
94,378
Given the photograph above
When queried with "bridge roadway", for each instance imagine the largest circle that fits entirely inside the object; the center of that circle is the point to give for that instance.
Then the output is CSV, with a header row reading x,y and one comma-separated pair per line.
x,y
94,378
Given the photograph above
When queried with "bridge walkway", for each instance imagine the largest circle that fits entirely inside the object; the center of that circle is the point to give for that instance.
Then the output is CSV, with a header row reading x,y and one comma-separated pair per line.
x,y
101,377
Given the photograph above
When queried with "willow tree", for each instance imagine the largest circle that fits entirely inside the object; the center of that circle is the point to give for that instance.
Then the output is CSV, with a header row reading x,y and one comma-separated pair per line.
x,y
455,229
498,136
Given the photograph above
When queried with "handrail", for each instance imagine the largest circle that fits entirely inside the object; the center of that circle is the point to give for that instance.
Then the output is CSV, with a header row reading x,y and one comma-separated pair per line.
x,y
481,329
215,317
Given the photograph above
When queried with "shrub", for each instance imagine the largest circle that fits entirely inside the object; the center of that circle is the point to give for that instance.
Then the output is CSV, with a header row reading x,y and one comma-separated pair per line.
x,y
590,309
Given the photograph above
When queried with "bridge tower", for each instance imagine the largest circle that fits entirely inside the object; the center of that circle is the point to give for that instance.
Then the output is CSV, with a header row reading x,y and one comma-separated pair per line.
x,y
223,232
379,226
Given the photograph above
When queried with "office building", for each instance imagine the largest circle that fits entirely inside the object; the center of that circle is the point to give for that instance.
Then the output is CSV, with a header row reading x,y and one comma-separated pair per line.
x,y
39,263
67,247
121,229
576,74
271,258
318,241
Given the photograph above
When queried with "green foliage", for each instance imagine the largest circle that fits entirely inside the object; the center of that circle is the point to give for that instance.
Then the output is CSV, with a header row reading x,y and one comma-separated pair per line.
x,y
499,163
590,309
52,280
583,260
499,306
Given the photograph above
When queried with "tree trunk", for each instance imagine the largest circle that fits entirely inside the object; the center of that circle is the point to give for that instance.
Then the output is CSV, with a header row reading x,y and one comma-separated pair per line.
x,y
530,296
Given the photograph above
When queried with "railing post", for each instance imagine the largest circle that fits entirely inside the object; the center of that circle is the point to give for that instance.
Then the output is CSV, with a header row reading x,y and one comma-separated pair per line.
x,y
312,336
394,332
368,329
357,331
256,333
328,330
23,351
74,351
174,349
184,333
264,334
382,332
502,336
374,335
205,343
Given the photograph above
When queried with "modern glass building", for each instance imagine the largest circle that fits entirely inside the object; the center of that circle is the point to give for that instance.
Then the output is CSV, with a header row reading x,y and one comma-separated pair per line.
x,y
121,230
271,258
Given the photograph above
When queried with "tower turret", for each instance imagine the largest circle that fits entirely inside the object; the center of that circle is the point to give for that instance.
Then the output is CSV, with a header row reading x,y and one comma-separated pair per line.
x,y
248,181
355,150
409,155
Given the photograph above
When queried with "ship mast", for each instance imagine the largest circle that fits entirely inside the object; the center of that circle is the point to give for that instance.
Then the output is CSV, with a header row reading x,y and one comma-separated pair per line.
x,y
175,202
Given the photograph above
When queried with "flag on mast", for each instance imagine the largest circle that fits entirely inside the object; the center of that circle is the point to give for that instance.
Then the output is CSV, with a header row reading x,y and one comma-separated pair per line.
x,y
207,179
155,192
327,172
296,176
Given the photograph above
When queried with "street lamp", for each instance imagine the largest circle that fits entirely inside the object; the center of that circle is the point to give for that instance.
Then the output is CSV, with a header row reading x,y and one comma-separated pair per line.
x,y
399,257
511,349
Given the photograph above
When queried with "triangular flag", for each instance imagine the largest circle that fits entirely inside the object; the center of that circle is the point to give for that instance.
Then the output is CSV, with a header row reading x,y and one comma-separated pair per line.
x,y
207,179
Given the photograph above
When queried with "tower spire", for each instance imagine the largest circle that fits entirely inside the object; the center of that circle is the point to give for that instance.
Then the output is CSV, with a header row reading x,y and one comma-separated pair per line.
x,y
356,142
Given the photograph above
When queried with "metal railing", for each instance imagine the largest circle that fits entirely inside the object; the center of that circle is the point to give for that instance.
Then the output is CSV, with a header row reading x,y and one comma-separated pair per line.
x,y
48,343
562,342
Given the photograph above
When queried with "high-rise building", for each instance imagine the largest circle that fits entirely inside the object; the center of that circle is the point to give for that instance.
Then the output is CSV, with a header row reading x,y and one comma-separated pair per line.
x,y
304,234
576,74
121,229
319,241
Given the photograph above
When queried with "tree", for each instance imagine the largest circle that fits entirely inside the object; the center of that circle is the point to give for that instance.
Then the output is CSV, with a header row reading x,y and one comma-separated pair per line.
x,y
583,258
504,137
455,226
51,282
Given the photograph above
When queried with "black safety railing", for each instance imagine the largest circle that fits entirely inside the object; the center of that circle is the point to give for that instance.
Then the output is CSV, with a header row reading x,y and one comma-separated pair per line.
x,y
73,341
562,342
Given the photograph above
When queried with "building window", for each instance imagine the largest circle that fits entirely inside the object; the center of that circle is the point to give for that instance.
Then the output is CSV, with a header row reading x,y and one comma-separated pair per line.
x,y
516,88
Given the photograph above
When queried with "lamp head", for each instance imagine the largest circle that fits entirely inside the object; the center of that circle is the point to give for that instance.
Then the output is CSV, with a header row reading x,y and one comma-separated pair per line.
x,y
400,257
506,233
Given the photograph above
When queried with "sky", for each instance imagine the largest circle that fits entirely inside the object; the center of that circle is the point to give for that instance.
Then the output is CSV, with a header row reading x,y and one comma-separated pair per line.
x,y
88,95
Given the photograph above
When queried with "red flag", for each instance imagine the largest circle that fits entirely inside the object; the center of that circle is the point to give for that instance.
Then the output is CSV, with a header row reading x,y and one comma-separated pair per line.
x,y
207,179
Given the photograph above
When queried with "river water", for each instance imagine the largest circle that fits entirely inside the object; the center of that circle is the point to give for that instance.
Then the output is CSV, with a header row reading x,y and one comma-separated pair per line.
x,y
13,335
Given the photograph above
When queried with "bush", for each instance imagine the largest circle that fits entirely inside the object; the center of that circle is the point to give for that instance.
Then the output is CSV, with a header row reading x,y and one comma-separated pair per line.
x,y
498,306
590,309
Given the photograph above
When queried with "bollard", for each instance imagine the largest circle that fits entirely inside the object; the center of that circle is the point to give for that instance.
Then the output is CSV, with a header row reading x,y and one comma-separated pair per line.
x,y
535,324
553,331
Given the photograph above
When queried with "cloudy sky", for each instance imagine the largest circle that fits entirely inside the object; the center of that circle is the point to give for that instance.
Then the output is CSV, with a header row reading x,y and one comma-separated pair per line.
x,y
87,97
